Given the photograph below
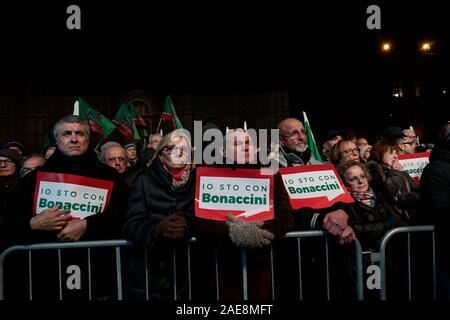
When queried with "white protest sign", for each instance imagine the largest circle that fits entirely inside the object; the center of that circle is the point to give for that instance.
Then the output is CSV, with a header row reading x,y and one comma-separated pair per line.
x,y
81,195
219,194
315,186
414,164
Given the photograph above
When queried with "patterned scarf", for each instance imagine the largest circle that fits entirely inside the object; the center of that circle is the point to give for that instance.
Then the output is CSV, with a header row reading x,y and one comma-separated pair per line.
x,y
179,176
367,198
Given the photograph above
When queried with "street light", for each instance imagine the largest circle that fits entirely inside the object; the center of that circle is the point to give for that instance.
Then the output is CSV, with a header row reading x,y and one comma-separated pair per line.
x,y
426,46
386,47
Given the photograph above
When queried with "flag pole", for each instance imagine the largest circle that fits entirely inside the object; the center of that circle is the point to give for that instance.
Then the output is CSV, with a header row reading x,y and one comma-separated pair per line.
x,y
159,124
76,108
98,144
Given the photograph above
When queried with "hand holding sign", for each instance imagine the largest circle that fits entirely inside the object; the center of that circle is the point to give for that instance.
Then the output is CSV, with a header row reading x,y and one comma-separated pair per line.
x,y
51,219
397,165
73,231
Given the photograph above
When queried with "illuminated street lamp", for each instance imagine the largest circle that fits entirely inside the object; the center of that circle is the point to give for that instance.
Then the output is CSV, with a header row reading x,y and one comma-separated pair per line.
x,y
426,46
386,47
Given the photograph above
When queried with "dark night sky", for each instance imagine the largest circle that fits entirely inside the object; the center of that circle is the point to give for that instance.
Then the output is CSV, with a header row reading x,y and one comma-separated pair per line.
x,y
322,53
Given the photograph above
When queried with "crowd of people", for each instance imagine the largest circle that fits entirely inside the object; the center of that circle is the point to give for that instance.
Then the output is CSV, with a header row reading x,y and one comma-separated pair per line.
x,y
151,200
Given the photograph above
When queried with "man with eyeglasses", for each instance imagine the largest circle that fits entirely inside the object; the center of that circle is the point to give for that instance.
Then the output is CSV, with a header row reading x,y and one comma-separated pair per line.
x,y
31,162
115,156
293,149
333,220
9,176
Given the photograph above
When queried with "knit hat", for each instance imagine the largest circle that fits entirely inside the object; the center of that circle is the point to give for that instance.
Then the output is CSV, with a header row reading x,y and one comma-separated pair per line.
x,y
14,144
128,145
11,154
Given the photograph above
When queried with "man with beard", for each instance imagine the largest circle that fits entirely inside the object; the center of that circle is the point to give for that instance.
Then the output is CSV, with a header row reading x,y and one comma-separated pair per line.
x,y
293,149
333,220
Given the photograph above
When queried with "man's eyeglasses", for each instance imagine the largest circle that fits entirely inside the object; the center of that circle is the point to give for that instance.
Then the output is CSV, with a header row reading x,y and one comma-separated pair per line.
x,y
6,162
349,152
295,134
114,159
410,143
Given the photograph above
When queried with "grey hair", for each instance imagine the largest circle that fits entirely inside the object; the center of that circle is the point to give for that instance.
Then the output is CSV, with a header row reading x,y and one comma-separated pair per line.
x,y
105,147
70,119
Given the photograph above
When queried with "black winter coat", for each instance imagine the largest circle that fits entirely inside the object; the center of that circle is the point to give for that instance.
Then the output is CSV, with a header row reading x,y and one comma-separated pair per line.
x,y
370,224
105,225
153,198
435,189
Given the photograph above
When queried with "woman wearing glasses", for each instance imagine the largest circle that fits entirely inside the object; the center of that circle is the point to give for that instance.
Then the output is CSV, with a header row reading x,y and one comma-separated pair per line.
x,y
159,201
373,212
9,176
344,151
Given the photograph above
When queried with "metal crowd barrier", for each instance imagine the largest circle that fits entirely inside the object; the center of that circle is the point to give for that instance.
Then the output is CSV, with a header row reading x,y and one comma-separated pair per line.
x,y
358,255
58,246
122,243
382,255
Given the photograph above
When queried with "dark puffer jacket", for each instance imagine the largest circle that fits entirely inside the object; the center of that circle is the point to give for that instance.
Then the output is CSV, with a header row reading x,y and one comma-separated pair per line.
x,y
153,198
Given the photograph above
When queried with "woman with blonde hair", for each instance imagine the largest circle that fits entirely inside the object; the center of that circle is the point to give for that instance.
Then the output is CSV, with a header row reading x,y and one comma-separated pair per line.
x,y
161,198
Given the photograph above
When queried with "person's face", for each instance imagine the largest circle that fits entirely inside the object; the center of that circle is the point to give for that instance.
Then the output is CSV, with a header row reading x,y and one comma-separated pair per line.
x,y
330,143
131,153
361,142
408,146
293,135
116,157
7,167
366,154
154,141
410,134
356,179
240,146
349,152
32,163
390,156
176,154
72,139
49,152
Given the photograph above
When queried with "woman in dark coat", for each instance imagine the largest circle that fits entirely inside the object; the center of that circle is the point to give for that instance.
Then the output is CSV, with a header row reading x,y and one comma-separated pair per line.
x,y
372,213
161,197
386,169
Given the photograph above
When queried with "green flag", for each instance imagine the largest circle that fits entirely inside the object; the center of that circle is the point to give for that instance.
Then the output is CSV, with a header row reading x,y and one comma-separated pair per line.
x,y
170,114
125,124
45,144
97,122
310,141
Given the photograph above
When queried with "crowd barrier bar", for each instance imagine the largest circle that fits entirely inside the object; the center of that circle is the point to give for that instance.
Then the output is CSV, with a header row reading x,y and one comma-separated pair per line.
x,y
58,246
121,243
384,242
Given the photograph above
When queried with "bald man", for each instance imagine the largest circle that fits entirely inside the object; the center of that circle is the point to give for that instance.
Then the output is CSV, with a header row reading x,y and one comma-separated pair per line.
x,y
294,151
